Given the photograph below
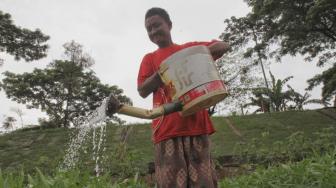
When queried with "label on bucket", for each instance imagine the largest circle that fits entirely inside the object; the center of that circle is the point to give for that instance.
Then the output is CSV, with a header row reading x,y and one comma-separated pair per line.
x,y
202,90
189,72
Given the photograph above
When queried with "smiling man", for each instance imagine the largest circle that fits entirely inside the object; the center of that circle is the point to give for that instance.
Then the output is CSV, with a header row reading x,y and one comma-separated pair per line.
x,y
182,147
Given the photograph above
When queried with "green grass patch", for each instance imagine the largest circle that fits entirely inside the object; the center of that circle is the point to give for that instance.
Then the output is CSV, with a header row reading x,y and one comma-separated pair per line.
x,y
317,171
73,179
280,125
45,148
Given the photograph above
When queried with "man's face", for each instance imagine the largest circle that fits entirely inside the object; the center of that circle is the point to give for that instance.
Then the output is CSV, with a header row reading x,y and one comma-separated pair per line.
x,y
158,30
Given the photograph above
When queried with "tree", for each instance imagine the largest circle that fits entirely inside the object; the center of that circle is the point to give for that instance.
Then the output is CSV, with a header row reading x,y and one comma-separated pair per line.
x,y
306,27
74,51
289,27
278,97
275,96
246,35
240,76
19,113
328,79
63,90
20,42
8,123
301,100
259,100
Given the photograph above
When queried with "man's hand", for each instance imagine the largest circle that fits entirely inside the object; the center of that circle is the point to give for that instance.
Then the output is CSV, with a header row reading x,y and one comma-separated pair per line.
x,y
113,105
217,49
151,84
172,107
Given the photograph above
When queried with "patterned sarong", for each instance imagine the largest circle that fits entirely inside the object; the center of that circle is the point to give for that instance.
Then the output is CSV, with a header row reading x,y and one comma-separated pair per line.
x,y
184,162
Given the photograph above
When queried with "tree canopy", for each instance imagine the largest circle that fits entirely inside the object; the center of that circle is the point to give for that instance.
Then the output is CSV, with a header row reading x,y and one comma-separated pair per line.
x,y
65,90
276,28
62,90
74,51
21,42
328,78
306,27
240,76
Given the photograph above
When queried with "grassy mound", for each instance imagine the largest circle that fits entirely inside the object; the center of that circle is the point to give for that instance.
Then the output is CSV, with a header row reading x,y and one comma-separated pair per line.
x,y
45,148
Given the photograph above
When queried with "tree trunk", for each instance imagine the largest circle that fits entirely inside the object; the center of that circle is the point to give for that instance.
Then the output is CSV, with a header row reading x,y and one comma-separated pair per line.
x,y
262,107
21,121
242,110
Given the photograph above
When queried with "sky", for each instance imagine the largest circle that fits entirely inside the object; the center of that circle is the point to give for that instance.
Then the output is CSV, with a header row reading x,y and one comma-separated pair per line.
x,y
113,33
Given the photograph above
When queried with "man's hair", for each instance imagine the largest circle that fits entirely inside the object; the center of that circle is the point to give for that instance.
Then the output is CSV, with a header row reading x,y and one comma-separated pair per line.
x,y
160,12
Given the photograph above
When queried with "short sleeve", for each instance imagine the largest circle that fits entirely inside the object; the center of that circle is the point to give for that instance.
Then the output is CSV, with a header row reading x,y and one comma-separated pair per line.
x,y
189,44
146,69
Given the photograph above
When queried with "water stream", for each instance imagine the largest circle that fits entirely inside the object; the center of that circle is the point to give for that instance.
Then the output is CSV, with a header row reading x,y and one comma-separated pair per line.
x,y
94,121
98,140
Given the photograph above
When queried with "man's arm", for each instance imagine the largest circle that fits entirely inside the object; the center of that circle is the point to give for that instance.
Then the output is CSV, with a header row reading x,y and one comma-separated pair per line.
x,y
149,85
217,49
114,106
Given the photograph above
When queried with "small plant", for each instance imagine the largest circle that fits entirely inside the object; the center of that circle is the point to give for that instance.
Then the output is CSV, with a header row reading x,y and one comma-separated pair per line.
x,y
8,123
12,180
295,147
65,179
123,161
317,171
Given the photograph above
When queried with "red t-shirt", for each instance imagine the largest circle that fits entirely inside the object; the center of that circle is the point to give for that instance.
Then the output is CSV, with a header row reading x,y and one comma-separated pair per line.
x,y
174,124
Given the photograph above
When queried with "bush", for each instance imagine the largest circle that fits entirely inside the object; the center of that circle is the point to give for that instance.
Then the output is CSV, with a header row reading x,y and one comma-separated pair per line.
x,y
295,147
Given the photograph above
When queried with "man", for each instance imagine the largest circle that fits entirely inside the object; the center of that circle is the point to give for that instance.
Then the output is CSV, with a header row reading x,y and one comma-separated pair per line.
x,y
182,151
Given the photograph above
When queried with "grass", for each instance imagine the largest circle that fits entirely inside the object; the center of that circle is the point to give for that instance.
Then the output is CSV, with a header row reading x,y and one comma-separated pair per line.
x,y
279,125
33,148
317,171
44,149
73,179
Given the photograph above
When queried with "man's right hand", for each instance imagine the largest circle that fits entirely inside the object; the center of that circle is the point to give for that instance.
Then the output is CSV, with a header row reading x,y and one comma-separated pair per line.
x,y
113,105
150,85
218,48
